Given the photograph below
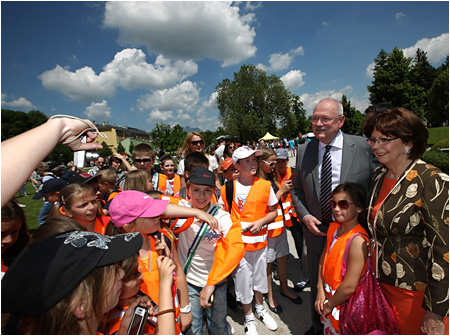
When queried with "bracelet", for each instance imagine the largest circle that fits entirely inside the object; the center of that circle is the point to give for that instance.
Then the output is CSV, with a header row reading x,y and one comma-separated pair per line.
x,y
172,310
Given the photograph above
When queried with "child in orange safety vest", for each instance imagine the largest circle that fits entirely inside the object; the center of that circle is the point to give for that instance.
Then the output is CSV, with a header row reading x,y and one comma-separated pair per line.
x,y
135,211
277,243
252,204
208,254
348,204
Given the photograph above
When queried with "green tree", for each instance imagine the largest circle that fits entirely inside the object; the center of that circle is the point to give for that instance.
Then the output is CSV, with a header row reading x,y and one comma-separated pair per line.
x,y
168,139
105,151
61,153
437,114
392,82
354,120
120,148
17,122
253,104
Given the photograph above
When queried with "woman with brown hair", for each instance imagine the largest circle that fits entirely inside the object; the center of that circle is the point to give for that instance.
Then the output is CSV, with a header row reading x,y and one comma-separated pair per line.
x,y
408,217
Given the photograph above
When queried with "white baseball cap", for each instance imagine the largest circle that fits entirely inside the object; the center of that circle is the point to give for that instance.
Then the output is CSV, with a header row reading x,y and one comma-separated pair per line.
x,y
244,152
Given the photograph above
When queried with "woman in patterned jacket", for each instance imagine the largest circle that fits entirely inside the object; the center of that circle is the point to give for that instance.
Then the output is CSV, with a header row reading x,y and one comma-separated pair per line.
x,y
408,217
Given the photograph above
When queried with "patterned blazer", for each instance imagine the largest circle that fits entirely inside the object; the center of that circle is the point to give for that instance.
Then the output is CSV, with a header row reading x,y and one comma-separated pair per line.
x,y
412,233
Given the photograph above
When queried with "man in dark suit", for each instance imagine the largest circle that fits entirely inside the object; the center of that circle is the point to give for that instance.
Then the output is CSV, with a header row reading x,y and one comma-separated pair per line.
x,y
352,160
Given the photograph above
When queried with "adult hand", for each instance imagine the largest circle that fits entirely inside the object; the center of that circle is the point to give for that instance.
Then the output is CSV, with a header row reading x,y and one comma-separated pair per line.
x,y
432,324
311,224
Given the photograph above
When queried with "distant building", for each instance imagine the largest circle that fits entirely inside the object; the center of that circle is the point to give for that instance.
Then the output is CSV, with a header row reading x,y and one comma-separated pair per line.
x,y
117,134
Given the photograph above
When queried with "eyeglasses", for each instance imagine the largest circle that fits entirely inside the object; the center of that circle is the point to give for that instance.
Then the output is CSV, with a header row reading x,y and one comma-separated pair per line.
x,y
271,163
343,204
143,161
315,120
198,142
231,147
381,141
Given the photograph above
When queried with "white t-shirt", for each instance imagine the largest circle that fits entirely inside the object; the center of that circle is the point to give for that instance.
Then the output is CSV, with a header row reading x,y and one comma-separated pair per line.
x,y
219,151
203,258
241,194
213,164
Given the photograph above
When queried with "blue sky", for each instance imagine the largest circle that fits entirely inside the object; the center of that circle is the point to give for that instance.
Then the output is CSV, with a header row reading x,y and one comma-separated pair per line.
x,y
139,64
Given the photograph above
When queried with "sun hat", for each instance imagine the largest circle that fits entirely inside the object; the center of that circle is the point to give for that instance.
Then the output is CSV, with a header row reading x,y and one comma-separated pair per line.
x,y
48,186
281,153
244,152
48,270
131,204
202,175
227,164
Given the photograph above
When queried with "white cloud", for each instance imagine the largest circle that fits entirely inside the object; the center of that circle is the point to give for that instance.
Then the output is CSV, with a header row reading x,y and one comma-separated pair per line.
x,y
128,70
436,49
98,111
311,100
281,61
19,103
293,79
400,15
228,38
170,104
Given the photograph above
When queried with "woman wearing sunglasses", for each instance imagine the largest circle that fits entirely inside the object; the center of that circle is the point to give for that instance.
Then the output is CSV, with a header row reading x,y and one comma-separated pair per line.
x,y
194,142
408,216
348,204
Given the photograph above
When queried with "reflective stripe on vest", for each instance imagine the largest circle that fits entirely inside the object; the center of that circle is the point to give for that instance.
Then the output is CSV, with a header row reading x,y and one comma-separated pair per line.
x,y
276,228
255,208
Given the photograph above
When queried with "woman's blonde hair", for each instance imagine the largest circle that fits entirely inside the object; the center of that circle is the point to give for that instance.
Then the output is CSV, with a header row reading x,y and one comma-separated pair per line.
x,y
137,180
186,149
92,293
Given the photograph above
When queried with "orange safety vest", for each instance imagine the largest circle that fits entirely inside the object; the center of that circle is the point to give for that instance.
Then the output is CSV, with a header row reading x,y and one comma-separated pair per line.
x,y
228,254
286,199
150,281
176,183
100,222
161,182
255,208
111,196
332,264
276,228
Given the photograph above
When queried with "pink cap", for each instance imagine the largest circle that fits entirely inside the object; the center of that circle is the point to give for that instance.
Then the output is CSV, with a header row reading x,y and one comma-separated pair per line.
x,y
131,204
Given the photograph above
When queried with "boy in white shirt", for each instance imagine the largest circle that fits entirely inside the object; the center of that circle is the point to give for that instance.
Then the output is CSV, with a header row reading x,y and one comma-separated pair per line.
x,y
253,207
208,255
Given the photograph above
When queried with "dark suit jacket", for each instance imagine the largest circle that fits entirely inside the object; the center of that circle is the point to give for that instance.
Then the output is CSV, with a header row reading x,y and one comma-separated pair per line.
x,y
358,164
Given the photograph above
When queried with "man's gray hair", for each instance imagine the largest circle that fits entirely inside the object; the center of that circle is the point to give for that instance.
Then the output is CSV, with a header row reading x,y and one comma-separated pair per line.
x,y
339,107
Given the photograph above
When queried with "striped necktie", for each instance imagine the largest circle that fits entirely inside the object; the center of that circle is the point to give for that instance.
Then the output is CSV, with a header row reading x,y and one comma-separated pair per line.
x,y
325,186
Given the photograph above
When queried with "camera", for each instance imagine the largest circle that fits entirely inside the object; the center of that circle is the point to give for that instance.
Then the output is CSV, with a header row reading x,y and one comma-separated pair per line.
x,y
80,157
138,321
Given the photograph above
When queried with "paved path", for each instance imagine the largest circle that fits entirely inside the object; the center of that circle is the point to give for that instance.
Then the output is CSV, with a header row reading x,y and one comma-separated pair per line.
x,y
295,319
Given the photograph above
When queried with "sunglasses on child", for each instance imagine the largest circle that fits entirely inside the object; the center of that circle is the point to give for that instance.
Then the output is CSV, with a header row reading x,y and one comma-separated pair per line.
x,y
142,161
271,163
343,204
198,142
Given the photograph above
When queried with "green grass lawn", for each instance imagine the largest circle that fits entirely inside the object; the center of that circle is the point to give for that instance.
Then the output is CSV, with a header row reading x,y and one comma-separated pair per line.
x,y
33,207
437,134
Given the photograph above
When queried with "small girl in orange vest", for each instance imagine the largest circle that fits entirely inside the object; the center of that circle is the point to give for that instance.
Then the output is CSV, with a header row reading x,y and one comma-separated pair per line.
x,y
79,203
168,168
348,204
134,211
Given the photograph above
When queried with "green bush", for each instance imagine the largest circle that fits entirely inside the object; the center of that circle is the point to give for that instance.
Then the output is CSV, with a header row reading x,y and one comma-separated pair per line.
x,y
437,159
441,144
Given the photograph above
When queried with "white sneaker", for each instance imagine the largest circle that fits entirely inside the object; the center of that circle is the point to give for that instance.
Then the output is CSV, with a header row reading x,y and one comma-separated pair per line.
x,y
268,320
230,329
250,328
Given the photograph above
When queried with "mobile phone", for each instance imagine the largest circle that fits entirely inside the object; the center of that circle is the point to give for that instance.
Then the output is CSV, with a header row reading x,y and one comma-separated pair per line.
x,y
138,321
245,230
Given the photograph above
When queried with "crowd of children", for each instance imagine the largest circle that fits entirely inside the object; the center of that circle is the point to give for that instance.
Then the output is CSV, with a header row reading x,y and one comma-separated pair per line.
x,y
168,243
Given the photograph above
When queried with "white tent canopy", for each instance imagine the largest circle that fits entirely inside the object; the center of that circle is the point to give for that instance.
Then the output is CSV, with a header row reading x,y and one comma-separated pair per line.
x,y
269,136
